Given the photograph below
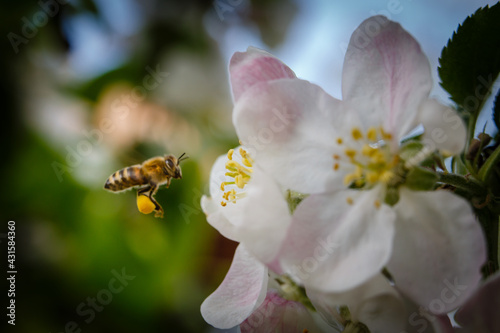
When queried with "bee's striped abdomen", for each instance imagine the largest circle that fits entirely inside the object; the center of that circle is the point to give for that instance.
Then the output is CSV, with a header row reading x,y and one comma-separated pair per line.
x,y
125,178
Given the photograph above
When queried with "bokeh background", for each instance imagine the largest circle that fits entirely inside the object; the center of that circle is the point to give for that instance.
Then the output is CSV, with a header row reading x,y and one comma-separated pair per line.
x,y
91,86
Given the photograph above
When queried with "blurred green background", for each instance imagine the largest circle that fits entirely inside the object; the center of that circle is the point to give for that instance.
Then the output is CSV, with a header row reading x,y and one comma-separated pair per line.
x,y
79,101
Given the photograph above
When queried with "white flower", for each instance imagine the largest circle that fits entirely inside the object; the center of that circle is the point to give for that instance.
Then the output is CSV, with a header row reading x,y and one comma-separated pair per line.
x,y
246,205
348,154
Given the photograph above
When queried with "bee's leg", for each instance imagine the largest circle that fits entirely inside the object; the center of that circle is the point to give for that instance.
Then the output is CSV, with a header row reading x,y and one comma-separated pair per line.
x,y
158,208
168,182
144,190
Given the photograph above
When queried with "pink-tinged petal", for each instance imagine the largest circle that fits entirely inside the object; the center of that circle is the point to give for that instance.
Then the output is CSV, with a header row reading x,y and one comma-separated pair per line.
x,y
278,315
385,75
242,291
418,320
439,249
375,303
254,66
480,313
334,246
289,128
444,129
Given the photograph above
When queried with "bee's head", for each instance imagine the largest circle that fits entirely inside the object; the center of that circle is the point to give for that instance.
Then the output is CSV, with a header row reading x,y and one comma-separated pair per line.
x,y
173,166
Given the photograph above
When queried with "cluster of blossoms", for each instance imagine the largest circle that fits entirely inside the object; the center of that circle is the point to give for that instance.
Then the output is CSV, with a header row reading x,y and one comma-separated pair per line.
x,y
333,203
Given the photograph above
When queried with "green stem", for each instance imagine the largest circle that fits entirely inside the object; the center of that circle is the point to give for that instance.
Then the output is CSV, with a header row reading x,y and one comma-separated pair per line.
x,y
469,184
471,128
489,165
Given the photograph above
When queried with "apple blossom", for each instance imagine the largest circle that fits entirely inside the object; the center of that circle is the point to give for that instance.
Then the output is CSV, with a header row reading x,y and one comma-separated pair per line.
x,y
370,194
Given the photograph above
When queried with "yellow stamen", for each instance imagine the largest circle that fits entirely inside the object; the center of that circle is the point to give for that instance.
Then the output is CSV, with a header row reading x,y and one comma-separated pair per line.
x,y
367,150
350,153
241,175
372,177
356,134
340,141
349,200
387,176
336,166
377,204
386,136
372,134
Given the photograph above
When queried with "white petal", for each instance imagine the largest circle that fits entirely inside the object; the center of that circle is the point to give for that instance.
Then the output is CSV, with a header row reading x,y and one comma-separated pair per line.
x,y
278,315
266,217
375,304
243,290
439,249
254,66
444,129
289,128
333,246
217,219
385,75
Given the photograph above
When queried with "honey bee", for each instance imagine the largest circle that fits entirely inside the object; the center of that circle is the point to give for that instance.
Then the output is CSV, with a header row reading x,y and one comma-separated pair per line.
x,y
148,176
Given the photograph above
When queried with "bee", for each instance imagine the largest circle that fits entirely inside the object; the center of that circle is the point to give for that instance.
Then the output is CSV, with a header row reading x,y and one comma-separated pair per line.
x,y
148,176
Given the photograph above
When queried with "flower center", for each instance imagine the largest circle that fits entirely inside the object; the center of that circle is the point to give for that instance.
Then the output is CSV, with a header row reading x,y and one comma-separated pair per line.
x,y
240,175
372,159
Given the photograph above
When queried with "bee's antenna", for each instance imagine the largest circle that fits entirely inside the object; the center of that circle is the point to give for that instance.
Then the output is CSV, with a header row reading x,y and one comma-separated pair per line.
x,y
182,159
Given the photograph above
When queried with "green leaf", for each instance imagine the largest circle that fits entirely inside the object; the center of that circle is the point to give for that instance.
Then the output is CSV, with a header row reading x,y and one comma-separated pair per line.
x,y
470,62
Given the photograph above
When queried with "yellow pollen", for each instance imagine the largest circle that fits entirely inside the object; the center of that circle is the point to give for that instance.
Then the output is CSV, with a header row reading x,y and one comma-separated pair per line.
x,y
354,177
372,177
349,200
144,204
372,160
377,204
372,134
340,141
367,150
378,157
386,176
350,153
241,175
356,133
